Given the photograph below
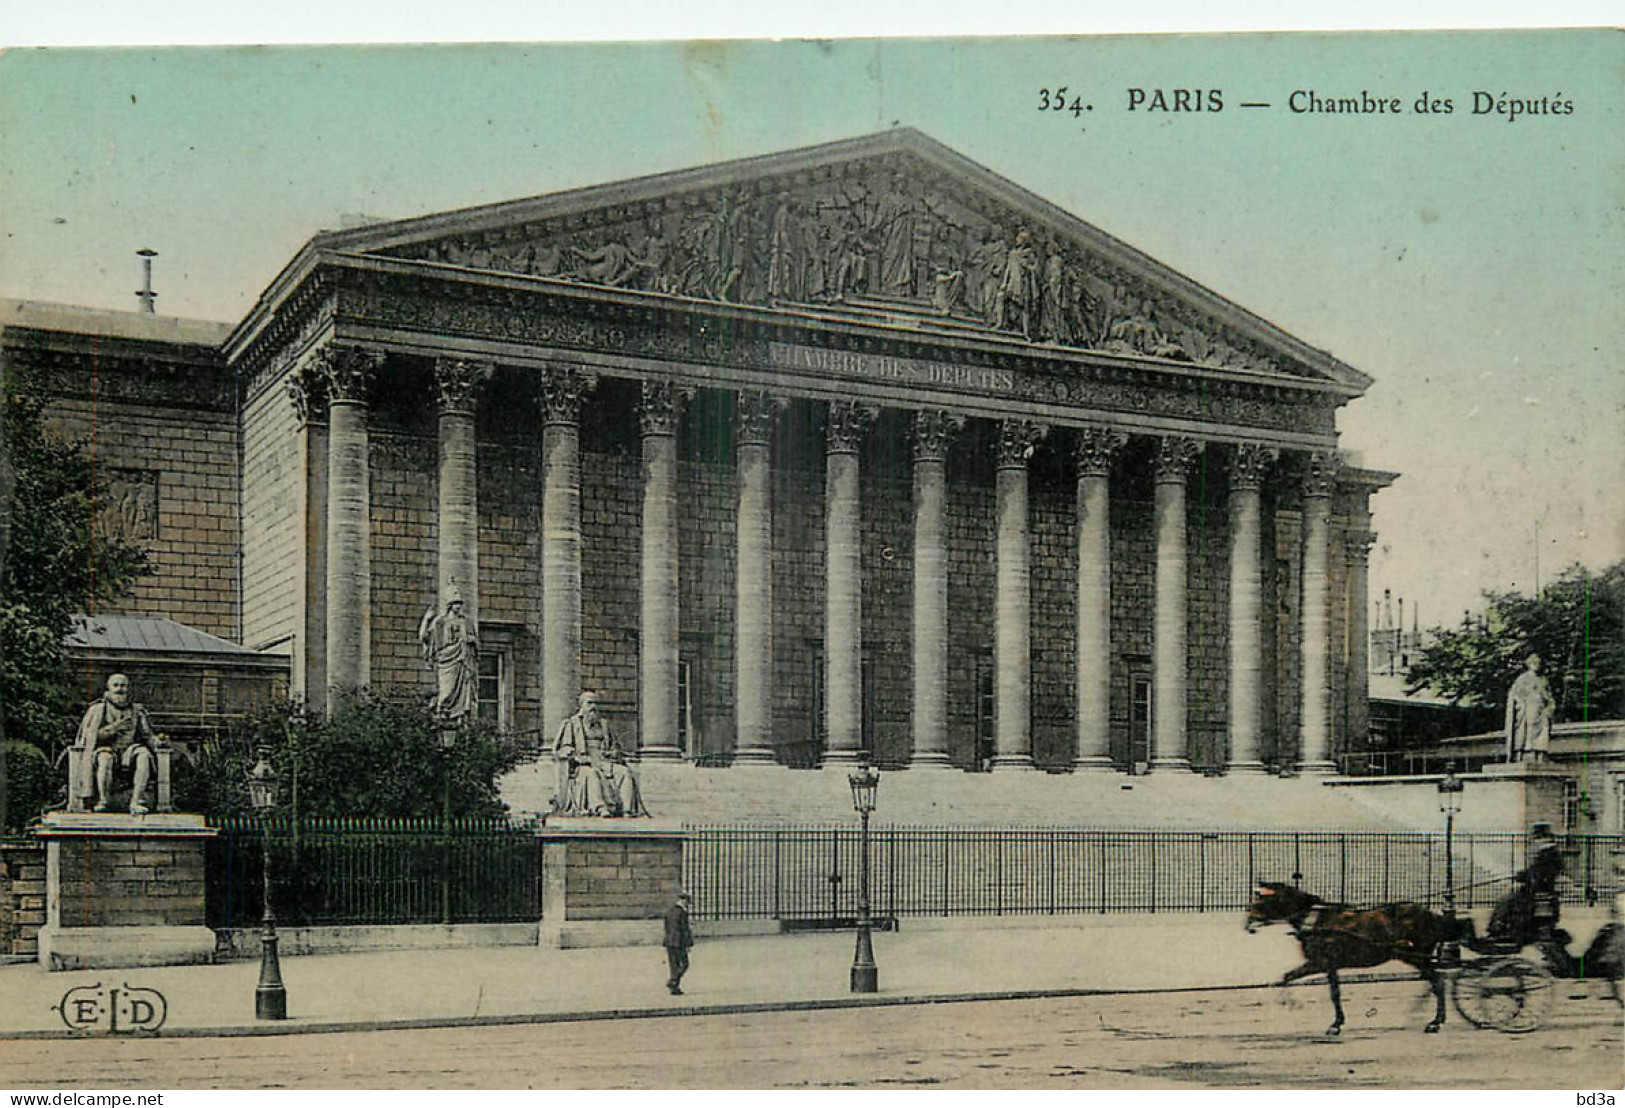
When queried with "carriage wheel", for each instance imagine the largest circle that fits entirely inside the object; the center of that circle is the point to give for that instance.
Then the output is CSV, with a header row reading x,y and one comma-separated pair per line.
x,y
1508,994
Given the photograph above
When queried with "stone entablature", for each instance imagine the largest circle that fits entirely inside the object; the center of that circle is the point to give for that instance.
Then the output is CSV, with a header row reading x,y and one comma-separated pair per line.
x,y
409,309
90,366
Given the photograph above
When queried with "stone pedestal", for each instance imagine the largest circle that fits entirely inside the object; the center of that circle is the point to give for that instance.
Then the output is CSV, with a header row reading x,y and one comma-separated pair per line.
x,y
608,882
124,890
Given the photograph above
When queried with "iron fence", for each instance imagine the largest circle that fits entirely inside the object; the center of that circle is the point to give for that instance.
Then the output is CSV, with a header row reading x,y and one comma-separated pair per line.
x,y
373,871
810,873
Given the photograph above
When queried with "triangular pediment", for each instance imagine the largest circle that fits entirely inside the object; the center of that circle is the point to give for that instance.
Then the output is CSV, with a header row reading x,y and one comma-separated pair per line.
x,y
894,227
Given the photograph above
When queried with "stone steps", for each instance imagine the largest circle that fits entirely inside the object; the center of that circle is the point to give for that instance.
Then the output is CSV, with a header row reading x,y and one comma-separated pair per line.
x,y
949,797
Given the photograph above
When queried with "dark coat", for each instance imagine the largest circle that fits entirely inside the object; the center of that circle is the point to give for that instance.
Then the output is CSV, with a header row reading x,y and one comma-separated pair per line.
x,y
678,934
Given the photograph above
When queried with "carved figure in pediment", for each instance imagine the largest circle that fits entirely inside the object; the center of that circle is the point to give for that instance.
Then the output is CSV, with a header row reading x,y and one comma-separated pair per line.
x,y
710,240
621,264
856,246
1054,322
786,254
896,220
1015,305
1132,332
984,275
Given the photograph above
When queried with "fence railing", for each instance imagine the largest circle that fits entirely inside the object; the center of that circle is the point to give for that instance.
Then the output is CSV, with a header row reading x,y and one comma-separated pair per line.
x,y
811,873
373,871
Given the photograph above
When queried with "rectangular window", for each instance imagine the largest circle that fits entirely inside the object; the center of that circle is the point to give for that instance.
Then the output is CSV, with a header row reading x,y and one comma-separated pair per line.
x,y
1571,805
870,691
492,696
819,737
1139,722
984,710
687,740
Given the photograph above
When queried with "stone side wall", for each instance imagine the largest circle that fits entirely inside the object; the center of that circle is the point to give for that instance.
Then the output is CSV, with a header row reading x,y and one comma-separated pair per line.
x,y
22,898
621,878
134,882
193,541
273,532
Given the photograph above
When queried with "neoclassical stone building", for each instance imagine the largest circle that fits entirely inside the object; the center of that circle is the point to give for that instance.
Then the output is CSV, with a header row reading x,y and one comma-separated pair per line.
x,y
856,447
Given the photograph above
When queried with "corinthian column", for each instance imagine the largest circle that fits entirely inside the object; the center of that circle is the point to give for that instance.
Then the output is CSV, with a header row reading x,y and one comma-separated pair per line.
x,y
1012,642
1248,465
753,638
349,373
1175,457
1315,747
562,391
845,425
1357,663
306,389
457,384
1096,447
659,409
933,431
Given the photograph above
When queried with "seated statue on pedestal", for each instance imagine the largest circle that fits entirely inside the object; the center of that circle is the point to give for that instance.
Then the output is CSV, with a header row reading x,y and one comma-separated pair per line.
x,y
115,734
593,777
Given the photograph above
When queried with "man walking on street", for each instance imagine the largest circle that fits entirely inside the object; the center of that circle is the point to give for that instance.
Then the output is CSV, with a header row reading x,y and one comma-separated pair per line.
x,y
679,937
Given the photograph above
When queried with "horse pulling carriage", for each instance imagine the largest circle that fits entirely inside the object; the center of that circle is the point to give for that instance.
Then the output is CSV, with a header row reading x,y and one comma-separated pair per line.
x,y
1502,987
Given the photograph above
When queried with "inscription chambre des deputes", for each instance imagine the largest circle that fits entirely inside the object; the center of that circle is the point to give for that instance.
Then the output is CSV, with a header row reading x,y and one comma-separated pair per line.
x,y
1503,105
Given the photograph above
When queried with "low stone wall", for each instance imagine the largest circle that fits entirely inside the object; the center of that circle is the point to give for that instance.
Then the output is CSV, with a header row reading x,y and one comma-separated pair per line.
x,y
244,942
22,898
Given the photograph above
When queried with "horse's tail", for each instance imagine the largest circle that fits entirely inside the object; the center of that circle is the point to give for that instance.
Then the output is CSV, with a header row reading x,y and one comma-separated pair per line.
x,y
1604,957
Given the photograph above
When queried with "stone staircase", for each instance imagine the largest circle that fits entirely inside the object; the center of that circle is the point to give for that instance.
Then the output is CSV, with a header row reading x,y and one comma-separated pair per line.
x,y
771,794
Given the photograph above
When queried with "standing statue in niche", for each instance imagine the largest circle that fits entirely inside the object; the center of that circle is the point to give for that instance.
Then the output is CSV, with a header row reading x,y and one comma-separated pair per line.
x,y
593,776
1530,708
451,648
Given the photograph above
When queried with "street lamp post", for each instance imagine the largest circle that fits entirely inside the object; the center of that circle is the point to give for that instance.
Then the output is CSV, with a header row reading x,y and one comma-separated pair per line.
x,y
270,996
865,782
1450,790
448,742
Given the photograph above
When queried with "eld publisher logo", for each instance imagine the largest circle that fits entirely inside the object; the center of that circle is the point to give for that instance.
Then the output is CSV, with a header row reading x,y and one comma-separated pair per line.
x,y
113,1011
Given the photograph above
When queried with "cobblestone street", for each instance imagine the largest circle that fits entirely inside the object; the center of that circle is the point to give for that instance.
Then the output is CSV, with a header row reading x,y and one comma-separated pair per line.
x,y
1231,1038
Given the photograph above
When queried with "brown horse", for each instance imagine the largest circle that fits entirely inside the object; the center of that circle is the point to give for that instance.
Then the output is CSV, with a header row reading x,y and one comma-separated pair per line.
x,y
1335,937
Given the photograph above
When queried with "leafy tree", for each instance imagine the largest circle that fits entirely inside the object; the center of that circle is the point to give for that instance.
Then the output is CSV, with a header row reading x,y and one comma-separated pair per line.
x,y
374,757
53,563
1576,625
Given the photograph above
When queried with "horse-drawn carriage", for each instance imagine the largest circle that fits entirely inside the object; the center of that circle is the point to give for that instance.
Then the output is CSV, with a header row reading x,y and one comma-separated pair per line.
x,y
1507,984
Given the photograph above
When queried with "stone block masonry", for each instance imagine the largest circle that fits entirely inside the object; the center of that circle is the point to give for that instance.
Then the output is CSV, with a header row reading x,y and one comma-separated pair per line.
x,y
22,898
189,458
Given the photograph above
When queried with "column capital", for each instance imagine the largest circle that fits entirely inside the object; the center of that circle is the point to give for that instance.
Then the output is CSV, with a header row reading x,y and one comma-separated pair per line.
x,y
1175,456
1249,464
755,416
1095,448
563,388
1018,438
934,430
1357,545
457,383
1320,472
306,389
660,405
845,424
348,372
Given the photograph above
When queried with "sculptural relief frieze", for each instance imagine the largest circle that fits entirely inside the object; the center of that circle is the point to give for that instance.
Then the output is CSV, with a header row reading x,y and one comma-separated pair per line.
x,y
888,236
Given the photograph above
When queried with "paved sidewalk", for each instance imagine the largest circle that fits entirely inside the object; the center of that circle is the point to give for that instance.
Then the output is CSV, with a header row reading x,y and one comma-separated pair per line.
x,y
926,960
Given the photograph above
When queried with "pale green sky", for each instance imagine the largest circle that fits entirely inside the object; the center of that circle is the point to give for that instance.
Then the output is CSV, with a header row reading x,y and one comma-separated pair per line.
x,y
1473,266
